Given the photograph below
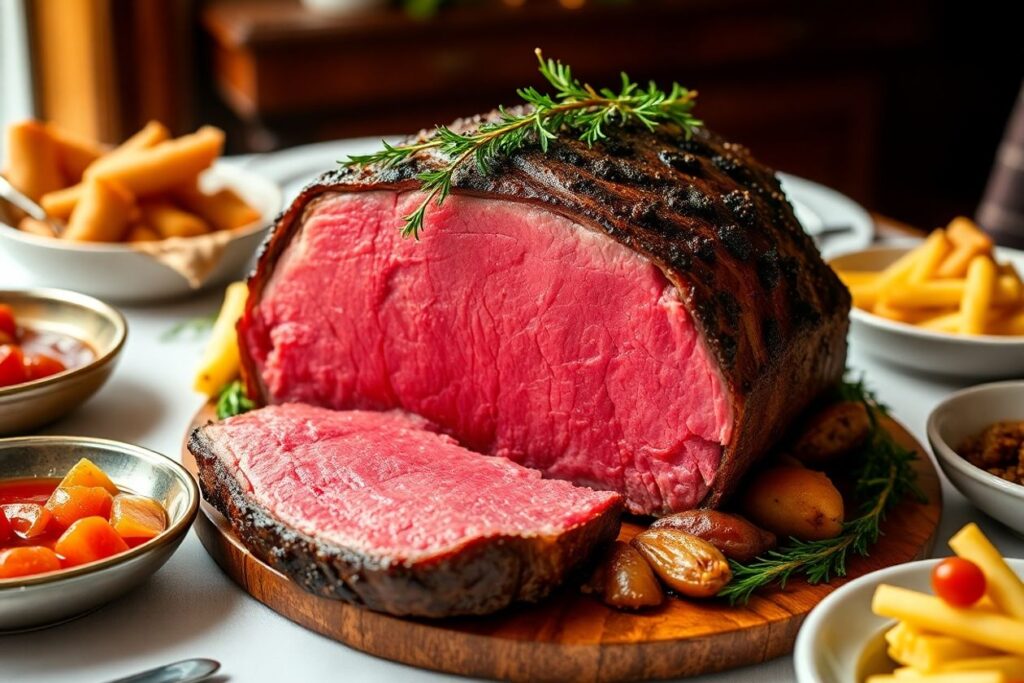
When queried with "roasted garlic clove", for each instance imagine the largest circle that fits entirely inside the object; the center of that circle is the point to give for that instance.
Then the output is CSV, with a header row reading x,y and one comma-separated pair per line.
x,y
736,537
686,564
629,582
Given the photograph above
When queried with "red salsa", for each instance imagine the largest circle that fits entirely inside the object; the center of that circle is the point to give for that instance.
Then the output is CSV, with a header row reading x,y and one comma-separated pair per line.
x,y
48,524
27,354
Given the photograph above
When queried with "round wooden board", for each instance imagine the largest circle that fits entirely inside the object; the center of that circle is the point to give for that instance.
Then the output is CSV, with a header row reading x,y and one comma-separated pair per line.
x,y
571,636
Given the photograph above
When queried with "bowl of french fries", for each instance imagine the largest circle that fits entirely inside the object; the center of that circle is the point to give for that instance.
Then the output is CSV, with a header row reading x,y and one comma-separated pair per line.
x,y
155,217
951,305
911,623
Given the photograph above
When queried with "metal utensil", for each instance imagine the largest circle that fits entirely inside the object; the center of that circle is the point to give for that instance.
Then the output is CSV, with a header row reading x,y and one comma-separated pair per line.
x,y
26,204
186,671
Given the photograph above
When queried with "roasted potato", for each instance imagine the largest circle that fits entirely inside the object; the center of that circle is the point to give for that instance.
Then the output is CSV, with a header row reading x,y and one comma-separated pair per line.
x,y
831,433
737,538
794,501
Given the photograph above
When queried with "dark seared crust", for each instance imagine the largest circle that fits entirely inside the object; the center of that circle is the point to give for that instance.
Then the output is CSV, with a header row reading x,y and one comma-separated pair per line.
x,y
716,222
478,578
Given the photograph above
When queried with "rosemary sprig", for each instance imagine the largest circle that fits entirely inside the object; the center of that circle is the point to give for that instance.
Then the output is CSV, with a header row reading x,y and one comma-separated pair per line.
x,y
884,477
574,107
195,327
233,401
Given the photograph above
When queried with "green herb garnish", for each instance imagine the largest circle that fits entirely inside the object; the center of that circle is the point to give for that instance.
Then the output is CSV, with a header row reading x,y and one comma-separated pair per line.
x,y
885,475
195,327
575,108
233,401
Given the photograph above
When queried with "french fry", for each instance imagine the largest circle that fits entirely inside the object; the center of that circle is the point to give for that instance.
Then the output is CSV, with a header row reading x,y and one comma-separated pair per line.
x,y
1010,666
74,153
927,652
31,225
170,221
223,210
933,251
32,162
900,269
910,316
968,241
948,292
946,322
857,277
139,232
102,215
977,296
221,363
60,203
911,676
165,166
1010,279
930,613
1004,587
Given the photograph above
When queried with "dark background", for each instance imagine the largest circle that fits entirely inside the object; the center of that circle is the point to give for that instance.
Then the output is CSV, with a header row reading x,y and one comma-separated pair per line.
x,y
899,104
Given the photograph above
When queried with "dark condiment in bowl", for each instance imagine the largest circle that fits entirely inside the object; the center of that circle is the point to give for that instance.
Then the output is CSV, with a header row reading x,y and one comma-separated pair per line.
x,y
28,354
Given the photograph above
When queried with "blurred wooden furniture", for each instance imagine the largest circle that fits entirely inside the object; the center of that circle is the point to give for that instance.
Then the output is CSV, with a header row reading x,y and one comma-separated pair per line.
x,y
105,67
799,82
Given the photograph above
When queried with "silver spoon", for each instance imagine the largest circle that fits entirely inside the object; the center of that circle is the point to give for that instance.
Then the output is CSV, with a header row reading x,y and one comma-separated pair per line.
x,y
26,204
187,671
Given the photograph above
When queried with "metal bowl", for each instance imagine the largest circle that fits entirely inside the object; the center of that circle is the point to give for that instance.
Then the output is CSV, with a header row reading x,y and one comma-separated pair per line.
x,y
26,406
38,601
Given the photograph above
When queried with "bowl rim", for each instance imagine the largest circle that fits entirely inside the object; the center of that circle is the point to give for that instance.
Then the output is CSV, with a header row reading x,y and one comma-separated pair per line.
x,y
804,651
948,456
83,301
913,330
168,536
230,171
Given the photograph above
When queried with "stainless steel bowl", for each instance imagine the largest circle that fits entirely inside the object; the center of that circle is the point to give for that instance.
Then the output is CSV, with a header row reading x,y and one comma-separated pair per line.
x,y
24,407
35,602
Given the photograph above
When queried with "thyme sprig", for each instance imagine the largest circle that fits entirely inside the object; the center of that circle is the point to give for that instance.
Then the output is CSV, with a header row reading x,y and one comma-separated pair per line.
x,y
233,401
885,476
574,107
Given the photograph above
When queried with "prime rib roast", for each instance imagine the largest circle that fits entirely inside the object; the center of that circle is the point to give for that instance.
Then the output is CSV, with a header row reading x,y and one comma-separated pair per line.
x,y
380,509
644,316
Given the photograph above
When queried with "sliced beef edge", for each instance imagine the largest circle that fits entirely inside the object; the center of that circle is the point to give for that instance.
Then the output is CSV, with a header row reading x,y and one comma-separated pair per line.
x,y
480,577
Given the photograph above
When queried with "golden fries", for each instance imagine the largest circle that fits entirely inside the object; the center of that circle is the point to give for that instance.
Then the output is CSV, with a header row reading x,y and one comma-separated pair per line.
x,y
85,184
103,213
950,283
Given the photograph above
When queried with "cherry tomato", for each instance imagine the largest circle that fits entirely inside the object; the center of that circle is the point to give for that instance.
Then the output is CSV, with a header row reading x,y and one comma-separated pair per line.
x,y
12,365
40,365
8,326
959,582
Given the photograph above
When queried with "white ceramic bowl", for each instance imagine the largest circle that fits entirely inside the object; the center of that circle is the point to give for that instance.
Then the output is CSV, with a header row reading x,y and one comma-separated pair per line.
x,y
924,351
36,601
965,414
841,639
117,272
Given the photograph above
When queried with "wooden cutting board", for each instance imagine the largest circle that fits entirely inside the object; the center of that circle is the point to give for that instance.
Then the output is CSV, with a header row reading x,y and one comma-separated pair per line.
x,y
571,636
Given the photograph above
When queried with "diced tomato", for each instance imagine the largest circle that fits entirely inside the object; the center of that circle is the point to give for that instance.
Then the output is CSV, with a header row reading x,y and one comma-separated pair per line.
x,y
86,473
27,561
27,519
8,325
88,540
137,517
5,527
68,504
40,365
12,365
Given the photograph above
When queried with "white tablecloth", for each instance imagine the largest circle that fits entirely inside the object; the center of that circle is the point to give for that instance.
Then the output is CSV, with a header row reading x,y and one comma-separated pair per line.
x,y
190,609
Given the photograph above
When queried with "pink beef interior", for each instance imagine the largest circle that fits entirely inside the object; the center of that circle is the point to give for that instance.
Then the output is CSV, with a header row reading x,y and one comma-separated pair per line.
x,y
386,485
517,331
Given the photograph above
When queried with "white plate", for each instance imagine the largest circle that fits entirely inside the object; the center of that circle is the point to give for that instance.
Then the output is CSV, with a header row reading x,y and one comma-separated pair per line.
x,y
119,273
926,352
839,632
816,206
964,414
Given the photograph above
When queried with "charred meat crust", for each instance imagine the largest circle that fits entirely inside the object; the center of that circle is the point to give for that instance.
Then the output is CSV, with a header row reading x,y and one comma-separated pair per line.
x,y
715,221
478,578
